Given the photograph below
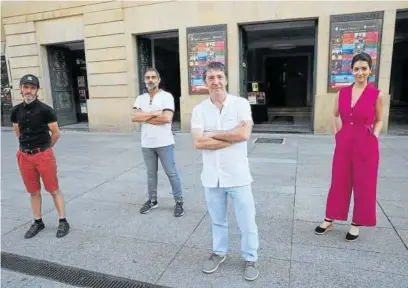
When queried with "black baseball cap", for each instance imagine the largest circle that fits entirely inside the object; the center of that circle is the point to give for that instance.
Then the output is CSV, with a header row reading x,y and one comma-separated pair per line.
x,y
30,79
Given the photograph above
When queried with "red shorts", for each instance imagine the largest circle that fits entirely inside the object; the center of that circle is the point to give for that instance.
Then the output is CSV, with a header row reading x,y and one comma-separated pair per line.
x,y
32,167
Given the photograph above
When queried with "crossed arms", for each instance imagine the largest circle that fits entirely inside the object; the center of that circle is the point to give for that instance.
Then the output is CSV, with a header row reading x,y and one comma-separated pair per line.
x,y
214,140
155,118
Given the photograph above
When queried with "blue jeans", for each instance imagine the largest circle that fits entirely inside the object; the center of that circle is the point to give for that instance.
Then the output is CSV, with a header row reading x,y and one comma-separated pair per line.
x,y
244,209
166,155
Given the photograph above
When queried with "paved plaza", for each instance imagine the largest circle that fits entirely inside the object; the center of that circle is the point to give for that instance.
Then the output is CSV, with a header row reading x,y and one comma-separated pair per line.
x,y
103,179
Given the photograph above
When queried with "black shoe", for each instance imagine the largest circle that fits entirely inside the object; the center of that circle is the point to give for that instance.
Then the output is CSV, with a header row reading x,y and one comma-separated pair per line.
x,y
63,229
34,229
149,205
320,230
178,209
350,237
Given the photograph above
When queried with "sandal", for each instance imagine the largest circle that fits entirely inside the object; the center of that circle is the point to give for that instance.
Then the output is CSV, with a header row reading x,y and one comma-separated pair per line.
x,y
350,237
320,230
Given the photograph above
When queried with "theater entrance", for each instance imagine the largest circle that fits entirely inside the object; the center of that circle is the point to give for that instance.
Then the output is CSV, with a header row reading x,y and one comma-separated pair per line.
x,y
277,68
69,84
398,121
161,51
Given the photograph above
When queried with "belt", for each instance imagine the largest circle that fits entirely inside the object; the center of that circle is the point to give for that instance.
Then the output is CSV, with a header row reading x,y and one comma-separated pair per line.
x,y
33,150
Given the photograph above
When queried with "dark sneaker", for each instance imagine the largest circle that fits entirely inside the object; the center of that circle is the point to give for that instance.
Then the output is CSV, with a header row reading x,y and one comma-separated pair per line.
x,y
63,229
211,265
251,271
34,229
149,205
178,209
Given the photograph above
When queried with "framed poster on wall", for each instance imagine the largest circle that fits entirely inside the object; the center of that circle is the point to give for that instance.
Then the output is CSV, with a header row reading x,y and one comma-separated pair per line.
x,y
351,34
204,45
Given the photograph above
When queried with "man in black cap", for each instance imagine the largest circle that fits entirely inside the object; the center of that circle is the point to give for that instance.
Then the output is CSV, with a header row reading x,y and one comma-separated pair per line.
x,y
33,121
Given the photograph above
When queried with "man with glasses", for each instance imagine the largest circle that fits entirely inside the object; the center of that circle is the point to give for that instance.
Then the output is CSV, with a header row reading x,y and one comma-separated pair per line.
x,y
155,110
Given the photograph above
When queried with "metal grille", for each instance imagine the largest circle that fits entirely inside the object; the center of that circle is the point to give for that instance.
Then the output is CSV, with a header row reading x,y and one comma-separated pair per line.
x,y
61,84
6,103
269,140
65,274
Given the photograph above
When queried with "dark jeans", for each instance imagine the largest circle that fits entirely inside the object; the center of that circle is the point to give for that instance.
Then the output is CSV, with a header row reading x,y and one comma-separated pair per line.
x,y
166,155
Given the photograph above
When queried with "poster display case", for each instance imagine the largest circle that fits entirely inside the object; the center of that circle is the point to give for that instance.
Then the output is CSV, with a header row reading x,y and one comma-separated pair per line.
x,y
205,44
351,34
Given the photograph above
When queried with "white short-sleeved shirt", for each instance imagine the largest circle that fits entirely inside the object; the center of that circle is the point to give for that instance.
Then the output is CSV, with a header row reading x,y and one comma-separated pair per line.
x,y
227,167
154,136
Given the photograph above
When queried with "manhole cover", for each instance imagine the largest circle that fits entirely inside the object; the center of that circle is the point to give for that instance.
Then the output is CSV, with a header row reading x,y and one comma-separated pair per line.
x,y
270,140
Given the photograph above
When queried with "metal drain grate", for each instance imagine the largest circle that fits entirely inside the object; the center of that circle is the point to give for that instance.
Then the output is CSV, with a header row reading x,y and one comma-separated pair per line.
x,y
269,140
65,274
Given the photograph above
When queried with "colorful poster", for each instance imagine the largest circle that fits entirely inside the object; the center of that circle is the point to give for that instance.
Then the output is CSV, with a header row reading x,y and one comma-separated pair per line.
x,y
350,35
205,44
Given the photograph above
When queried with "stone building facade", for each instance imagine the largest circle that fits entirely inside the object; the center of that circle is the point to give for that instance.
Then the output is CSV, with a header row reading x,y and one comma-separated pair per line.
x,y
107,33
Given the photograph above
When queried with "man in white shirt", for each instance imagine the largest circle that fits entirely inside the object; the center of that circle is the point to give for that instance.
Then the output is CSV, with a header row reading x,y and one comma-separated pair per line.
x,y
221,126
155,110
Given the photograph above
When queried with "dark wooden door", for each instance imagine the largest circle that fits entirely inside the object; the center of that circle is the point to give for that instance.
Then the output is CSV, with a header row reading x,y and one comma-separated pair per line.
x,y
61,85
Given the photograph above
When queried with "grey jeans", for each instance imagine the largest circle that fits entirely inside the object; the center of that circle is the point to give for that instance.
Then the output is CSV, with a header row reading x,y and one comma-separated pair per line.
x,y
166,155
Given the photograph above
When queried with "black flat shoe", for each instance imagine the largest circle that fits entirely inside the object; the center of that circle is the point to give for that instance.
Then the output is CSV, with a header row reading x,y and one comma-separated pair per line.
x,y
350,237
320,230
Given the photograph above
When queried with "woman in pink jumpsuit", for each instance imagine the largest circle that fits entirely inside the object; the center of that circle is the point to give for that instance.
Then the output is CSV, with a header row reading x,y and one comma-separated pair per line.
x,y
356,156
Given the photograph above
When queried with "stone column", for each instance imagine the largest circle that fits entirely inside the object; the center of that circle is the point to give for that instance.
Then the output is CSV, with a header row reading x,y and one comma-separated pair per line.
x,y
387,46
110,104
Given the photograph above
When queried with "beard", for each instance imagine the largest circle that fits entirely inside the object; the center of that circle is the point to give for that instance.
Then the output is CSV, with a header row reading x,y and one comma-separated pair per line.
x,y
28,98
151,86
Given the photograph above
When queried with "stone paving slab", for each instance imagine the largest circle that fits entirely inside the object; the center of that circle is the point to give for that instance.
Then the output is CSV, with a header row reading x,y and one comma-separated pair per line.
x,y
11,279
382,240
312,208
404,235
323,276
185,272
103,179
122,256
44,246
272,244
392,190
357,259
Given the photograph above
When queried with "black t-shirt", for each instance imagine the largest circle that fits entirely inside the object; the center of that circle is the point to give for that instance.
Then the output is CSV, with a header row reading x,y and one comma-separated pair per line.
x,y
33,120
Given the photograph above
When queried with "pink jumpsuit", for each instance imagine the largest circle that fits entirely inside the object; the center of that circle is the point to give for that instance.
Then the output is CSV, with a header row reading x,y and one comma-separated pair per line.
x,y
355,160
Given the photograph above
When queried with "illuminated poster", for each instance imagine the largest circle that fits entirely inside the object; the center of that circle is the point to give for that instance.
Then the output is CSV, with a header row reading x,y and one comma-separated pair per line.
x,y
205,44
350,35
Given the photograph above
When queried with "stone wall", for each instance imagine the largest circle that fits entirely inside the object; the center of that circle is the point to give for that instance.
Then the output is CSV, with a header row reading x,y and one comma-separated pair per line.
x,y
108,29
